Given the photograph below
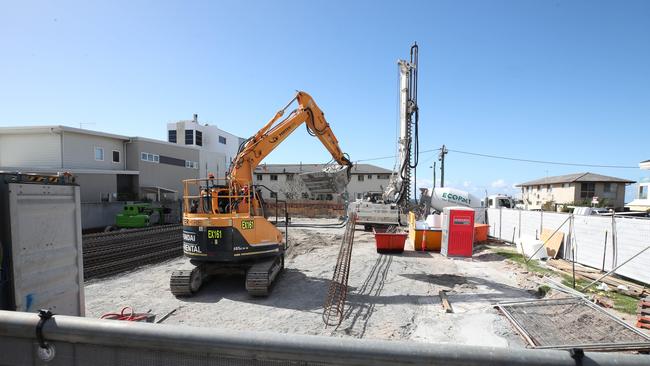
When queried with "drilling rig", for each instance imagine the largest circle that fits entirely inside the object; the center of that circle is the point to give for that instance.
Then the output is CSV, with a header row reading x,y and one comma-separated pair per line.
x,y
391,206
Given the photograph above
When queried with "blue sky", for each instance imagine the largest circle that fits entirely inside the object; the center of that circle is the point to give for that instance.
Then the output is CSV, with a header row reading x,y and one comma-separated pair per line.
x,y
545,80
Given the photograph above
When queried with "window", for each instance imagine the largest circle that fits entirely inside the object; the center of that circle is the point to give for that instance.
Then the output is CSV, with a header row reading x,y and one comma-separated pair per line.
x,y
565,185
189,137
222,140
153,158
289,177
99,153
260,177
610,188
171,136
199,138
274,177
587,190
359,196
369,176
383,176
116,156
549,188
274,195
191,164
305,195
360,177
643,192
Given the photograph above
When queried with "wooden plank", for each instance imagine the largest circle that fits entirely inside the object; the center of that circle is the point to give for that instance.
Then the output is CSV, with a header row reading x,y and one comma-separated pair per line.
x,y
553,242
445,302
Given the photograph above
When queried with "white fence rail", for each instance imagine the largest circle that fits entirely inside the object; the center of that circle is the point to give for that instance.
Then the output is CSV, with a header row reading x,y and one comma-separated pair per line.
x,y
598,239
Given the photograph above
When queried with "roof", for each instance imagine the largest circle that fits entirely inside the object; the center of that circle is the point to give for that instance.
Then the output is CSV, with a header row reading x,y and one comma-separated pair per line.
x,y
304,168
645,165
572,178
24,130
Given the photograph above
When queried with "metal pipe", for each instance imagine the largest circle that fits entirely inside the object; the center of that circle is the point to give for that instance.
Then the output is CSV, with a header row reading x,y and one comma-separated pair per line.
x,y
613,270
211,343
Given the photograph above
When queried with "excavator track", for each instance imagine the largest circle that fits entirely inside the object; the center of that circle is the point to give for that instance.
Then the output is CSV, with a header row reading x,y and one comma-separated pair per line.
x,y
186,282
260,276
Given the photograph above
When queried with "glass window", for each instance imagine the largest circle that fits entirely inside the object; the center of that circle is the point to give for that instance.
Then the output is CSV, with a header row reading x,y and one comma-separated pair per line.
x,y
565,185
274,177
171,136
360,177
643,192
587,190
199,138
99,154
116,156
189,137
222,140
260,177
610,187
369,176
143,156
289,177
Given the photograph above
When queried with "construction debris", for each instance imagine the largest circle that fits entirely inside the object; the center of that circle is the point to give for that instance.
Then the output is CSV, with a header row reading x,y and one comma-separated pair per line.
x,y
569,323
445,301
626,287
643,313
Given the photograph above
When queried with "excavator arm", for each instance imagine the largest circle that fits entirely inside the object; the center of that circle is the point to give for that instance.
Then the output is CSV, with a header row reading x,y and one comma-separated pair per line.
x,y
256,148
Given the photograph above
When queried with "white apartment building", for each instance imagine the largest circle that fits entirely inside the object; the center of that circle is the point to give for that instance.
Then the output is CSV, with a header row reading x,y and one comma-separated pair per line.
x,y
642,200
217,147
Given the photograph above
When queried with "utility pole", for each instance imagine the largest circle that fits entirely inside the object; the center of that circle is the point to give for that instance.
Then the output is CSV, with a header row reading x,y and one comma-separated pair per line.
x,y
441,157
434,176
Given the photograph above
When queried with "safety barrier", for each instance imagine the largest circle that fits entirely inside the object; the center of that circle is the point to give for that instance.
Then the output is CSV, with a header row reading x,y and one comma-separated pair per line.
x,y
601,242
82,341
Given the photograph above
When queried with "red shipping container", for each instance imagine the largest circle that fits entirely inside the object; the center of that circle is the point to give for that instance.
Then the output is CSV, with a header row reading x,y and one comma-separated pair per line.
x,y
457,232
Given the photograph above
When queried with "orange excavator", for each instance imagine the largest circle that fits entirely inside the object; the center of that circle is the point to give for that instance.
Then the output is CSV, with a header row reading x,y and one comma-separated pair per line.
x,y
224,227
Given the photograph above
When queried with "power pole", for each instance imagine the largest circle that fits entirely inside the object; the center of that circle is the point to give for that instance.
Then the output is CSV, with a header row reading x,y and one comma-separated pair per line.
x,y
434,176
441,157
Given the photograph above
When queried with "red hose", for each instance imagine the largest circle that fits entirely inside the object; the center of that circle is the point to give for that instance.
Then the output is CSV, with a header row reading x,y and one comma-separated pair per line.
x,y
132,317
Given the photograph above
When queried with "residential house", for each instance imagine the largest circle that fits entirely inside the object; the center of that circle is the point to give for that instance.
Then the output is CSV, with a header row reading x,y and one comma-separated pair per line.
x,y
578,188
641,200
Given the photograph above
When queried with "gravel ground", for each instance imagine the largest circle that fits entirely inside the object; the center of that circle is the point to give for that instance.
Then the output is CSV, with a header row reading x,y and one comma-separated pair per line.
x,y
391,296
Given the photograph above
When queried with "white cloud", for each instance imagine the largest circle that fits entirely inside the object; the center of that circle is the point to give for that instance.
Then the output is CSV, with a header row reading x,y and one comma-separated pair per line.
x,y
499,183
467,183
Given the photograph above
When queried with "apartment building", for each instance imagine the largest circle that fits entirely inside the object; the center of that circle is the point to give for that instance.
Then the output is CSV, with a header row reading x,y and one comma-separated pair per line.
x,y
574,188
285,180
641,200
217,147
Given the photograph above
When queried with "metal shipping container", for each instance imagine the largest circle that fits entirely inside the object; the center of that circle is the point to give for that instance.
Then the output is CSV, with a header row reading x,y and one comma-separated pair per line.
x,y
40,244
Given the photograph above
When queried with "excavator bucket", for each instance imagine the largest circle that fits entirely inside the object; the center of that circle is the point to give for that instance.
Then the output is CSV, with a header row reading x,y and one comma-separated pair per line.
x,y
332,179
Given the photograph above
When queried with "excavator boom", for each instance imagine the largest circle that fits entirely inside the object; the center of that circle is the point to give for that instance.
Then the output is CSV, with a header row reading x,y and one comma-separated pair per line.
x,y
255,149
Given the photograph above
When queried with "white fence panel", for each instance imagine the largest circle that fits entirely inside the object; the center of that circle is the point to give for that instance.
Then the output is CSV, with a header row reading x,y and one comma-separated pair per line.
x,y
632,235
530,223
589,237
509,224
553,221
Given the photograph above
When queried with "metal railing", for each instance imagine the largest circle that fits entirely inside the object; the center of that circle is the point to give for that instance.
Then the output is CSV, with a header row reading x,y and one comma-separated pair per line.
x,y
84,341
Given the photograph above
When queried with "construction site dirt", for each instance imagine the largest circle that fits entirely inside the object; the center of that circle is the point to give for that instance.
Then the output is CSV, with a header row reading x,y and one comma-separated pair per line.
x,y
391,296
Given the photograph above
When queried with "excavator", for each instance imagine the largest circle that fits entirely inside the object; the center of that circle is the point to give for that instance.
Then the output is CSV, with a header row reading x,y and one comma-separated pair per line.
x,y
224,227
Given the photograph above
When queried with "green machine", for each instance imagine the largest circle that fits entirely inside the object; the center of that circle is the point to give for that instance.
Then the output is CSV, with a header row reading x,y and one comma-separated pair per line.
x,y
138,215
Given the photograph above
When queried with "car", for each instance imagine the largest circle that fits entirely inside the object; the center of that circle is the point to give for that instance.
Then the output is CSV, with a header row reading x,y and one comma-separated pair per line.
x,y
600,211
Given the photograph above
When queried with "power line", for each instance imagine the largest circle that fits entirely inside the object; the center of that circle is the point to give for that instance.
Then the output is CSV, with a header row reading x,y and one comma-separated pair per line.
x,y
544,161
394,156
511,159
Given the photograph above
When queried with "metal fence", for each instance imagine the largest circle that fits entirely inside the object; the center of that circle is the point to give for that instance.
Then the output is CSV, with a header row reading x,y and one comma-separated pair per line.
x,y
83,341
599,239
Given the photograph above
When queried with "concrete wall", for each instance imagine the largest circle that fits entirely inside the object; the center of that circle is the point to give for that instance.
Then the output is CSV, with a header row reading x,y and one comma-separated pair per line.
x,y
34,150
99,214
160,174
93,186
79,151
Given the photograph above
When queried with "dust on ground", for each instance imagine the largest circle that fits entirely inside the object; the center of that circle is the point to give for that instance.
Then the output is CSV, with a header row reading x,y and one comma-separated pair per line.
x,y
393,297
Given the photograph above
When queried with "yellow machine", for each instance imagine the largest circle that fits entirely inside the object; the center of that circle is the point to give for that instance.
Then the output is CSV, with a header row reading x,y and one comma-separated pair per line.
x,y
224,228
